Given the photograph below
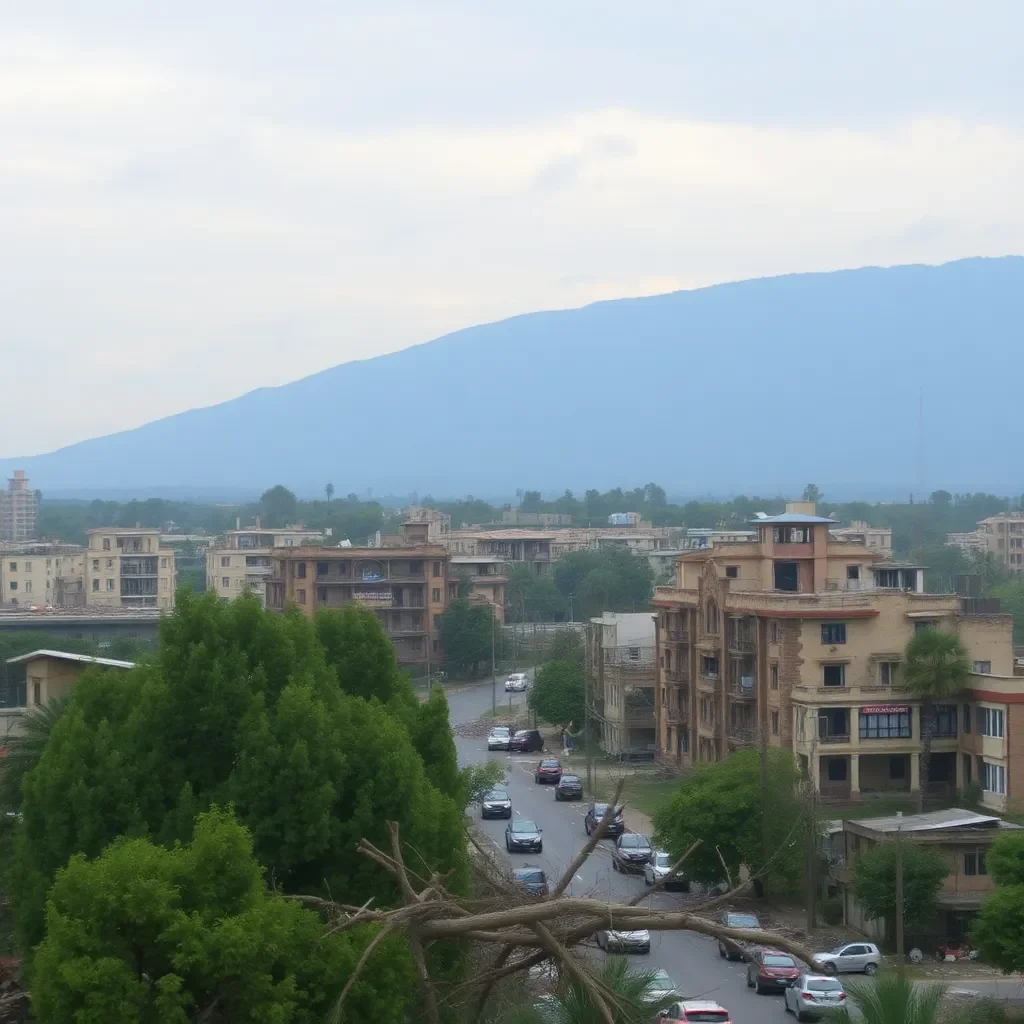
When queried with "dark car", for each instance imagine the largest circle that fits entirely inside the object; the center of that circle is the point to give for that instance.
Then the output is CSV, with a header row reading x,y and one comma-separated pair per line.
x,y
523,835
496,804
593,818
771,970
569,788
730,949
632,852
548,770
526,740
533,880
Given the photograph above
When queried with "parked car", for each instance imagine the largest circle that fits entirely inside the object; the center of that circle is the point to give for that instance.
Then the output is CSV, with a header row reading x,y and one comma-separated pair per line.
x,y
569,788
516,683
525,740
632,851
533,880
811,996
657,868
496,804
730,949
614,941
548,770
850,957
593,818
771,970
498,738
661,987
706,1011
523,836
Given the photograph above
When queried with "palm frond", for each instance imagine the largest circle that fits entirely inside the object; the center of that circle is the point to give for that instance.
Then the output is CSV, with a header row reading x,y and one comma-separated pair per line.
x,y
25,748
891,999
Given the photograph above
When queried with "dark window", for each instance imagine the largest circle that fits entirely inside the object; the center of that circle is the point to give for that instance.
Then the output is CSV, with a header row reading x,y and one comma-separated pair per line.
x,y
945,721
300,570
416,568
435,594
894,725
833,632
775,723
732,571
437,568
924,624
974,863
322,595
773,632
300,596
709,666
853,572
833,675
967,718
773,673
897,767
322,568
837,769
37,696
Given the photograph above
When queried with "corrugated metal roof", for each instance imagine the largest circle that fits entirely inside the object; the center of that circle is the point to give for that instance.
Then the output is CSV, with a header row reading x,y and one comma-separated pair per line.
x,y
954,818
793,518
83,659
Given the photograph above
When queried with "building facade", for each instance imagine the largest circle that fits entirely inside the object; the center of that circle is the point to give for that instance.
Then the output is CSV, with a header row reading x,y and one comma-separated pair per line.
x,y
796,640
19,506
240,561
42,574
487,580
876,538
621,677
407,588
128,568
1003,538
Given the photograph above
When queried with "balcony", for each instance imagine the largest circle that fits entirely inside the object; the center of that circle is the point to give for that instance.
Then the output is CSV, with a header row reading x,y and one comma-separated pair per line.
x,y
674,716
740,642
834,739
742,689
677,675
742,734
677,636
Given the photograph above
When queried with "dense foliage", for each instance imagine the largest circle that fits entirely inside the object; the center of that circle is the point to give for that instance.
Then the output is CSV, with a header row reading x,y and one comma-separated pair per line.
x,y
558,692
468,633
739,818
999,928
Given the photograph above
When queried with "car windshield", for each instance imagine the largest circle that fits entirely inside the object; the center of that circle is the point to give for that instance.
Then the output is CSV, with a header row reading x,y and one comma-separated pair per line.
x,y
662,982
776,960
522,734
549,763
570,780
497,794
742,921
633,841
661,860
530,875
499,730
599,809
523,826
824,985
837,950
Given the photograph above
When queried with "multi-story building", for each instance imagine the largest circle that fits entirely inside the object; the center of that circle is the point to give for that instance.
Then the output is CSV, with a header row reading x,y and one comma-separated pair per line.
x,y
622,672
528,547
487,580
705,537
1003,538
972,543
19,505
796,640
408,589
128,568
42,574
240,562
877,538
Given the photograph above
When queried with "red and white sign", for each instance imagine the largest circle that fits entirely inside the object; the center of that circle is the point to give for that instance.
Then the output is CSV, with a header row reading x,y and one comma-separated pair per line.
x,y
885,709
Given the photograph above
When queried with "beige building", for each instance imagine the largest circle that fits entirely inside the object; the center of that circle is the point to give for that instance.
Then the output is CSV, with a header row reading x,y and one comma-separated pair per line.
x,y
972,543
42,575
487,580
621,677
128,568
875,538
799,638
19,506
240,561
1003,538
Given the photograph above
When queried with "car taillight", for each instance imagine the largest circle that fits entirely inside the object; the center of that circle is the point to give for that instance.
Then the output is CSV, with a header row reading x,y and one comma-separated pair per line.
x,y
842,995
806,995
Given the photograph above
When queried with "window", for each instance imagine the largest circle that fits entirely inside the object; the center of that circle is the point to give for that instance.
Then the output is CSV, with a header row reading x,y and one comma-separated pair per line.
x,y
37,692
837,769
321,595
225,581
96,564
110,584
775,723
28,586
106,543
300,596
634,653
711,623
95,584
225,561
773,675
853,572
974,862
983,668
887,672
897,767
435,595
993,778
28,567
14,584
945,721
709,666
923,624
732,571
323,569
163,563
967,718
991,722
416,568
437,569
833,632
110,563
889,725
14,566
833,675
300,570
773,632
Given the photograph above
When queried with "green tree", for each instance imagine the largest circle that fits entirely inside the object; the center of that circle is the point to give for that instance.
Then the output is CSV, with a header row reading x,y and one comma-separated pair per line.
x,y
998,930
479,779
25,748
811,493
557,695
940,497
149,933
724,805
278,506
466,633
874,883
936,669
894,999
329,492
432,736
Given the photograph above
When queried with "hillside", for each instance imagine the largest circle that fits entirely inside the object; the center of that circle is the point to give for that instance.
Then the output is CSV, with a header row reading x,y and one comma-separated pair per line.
x,y
760,385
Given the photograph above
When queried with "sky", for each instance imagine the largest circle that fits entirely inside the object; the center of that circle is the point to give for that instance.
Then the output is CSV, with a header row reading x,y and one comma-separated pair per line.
x,y
200,199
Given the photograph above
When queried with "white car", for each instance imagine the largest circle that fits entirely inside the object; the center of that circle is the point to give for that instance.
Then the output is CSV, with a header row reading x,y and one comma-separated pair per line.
x,y
516,683
850,957
657,868
498,737
662,987
811,996
613,941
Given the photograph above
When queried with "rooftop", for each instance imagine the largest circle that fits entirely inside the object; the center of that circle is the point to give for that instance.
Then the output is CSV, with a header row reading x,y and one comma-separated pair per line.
x,y
793,518
935,821
124,529
81,659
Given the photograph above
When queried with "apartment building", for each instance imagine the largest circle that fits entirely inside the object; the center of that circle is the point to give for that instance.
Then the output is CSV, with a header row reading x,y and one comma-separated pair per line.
x,y
799,639
407,588
19,506
42,574
240,561
972,543
878,538
527,547
128,568
487,580
1003,538
621,677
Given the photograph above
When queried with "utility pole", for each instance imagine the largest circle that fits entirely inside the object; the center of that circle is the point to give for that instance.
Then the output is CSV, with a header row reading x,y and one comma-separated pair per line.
x,y
494,678
765,841
900,959
812,833
571,619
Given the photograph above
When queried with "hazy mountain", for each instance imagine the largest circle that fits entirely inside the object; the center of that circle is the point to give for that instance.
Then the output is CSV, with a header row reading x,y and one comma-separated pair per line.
x,y
867,381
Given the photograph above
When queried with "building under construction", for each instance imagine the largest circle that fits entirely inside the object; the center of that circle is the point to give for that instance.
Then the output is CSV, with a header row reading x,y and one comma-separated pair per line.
x,y
19,506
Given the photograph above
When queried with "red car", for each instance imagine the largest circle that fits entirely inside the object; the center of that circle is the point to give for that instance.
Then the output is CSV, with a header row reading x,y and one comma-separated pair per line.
x,y
549,770
770,970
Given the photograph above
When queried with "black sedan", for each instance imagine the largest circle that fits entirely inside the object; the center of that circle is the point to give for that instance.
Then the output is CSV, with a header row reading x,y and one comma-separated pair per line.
x,y
593,818
496,804
569,788
632,852
523,836
533,880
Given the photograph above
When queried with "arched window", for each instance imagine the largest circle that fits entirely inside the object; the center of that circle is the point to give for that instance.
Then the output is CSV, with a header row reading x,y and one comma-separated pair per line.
x,y
711,616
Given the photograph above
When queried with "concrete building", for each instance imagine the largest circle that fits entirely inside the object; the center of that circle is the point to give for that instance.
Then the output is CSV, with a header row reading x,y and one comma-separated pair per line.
x,y
408,589
799,638
960,837
529,547
98,624
621,677
1003,538
42,574
517,517
128,568
487,578
697,537
239,562
972,543
19,506
876,538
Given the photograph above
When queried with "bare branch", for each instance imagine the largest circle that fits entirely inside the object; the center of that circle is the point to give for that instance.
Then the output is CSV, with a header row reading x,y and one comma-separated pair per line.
x,y
588,848
660,883
564,957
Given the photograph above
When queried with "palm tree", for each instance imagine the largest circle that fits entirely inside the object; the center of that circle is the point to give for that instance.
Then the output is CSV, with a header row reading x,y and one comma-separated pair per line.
x,y
896,999
329,491
936,670
25,748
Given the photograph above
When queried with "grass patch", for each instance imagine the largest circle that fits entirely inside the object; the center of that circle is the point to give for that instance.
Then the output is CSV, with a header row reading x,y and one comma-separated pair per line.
x,y
644,794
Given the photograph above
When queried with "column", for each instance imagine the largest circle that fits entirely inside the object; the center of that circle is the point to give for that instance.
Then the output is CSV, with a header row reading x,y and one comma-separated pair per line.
x,y
855,776
959,772
814,764
915,772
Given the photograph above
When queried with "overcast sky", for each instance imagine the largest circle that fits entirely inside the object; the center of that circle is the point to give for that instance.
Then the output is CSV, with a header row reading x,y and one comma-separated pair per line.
x,y
197,199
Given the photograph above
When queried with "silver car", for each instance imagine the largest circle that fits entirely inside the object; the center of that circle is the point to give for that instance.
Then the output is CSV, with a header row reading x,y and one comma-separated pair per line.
x,y
658,867
498,737
851,957
614,941
811,996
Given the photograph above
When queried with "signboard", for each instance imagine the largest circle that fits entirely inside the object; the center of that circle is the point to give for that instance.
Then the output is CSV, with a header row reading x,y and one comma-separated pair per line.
x,y
885,709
